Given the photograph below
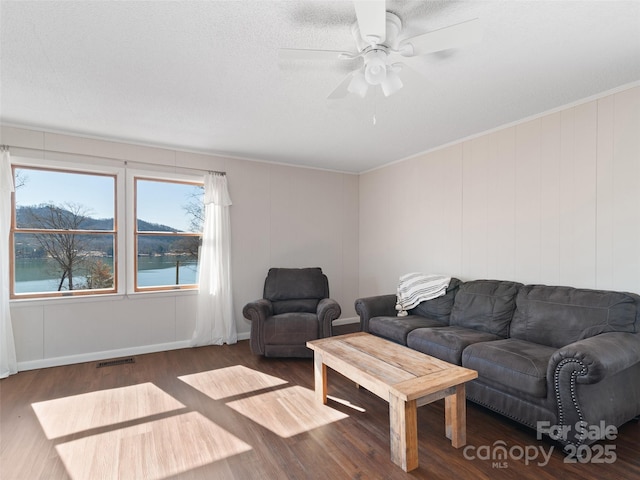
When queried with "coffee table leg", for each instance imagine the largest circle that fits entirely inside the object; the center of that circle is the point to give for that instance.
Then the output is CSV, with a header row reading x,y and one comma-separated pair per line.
x,y
455,414
320,377
403,425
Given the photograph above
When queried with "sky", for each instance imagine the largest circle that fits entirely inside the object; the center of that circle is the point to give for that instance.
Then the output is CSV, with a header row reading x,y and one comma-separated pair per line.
x,y
162,202
159,202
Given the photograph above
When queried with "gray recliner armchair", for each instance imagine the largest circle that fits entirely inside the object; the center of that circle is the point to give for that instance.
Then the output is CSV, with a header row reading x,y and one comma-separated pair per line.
x,y
295,308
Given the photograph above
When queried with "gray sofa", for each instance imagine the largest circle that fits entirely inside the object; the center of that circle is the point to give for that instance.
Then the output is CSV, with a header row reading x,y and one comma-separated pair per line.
x,y
566,357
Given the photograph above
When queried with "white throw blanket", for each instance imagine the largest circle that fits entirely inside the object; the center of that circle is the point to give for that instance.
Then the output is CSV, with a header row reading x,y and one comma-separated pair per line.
x,y
414,288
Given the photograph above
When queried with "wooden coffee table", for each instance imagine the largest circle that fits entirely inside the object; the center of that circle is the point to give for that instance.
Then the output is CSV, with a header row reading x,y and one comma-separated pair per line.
x,y
403,377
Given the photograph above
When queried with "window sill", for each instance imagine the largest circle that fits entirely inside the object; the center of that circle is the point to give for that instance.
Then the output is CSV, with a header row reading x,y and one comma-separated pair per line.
x,y
108,297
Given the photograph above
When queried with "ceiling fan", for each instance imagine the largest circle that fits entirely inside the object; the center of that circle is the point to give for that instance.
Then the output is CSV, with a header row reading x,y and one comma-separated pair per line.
x,y
383,52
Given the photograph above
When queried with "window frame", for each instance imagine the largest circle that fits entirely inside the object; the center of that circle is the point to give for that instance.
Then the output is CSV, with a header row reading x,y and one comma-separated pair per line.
x,y
124,257
147,175
60,167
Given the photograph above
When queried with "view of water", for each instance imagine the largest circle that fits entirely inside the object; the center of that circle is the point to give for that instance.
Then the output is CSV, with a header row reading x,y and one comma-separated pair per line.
x,y
156,271
40,274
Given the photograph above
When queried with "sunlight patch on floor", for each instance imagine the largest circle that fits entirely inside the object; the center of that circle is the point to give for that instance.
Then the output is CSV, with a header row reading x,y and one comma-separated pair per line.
x,y
151,450
346,403
230,381
287,411
78,413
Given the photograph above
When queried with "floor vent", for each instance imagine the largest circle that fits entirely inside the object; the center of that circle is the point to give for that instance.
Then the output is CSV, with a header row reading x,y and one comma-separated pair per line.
x,y
119,361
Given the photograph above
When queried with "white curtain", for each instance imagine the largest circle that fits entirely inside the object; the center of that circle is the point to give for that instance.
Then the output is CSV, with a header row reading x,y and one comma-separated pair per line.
x,y
8,362
215,322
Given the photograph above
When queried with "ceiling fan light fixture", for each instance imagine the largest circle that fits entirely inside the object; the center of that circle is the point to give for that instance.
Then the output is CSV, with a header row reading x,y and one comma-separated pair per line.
x,y
391,83
375,69
358,85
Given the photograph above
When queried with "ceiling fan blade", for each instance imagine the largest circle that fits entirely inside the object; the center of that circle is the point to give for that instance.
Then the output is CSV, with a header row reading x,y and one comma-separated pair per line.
x,y
309,54
415,64
372,20
341,90
454,36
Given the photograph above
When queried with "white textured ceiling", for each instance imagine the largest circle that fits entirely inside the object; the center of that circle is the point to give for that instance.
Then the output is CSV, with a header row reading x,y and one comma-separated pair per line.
x,y
205,76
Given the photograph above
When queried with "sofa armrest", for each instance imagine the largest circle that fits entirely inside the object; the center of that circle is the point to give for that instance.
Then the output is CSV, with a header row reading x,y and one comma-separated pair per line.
x,y
328,310
257,311
377,306
585,378
595,358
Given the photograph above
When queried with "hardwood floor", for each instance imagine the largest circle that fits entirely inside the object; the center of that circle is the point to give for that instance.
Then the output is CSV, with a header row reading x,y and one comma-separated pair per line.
x,y
223,413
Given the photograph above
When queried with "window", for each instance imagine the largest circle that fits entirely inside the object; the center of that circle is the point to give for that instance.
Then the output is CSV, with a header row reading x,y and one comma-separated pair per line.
x,y
63,233
92,229
168,231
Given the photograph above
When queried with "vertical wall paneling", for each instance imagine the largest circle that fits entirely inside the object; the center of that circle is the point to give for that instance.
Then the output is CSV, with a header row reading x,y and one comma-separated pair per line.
x,y
433,236
349,246
550,187
578,196
527,202
377,224
28,331
406,220
408,223
553,200
626,178
475,186
501,205
249,188
185,315
566,205
445,222
605,203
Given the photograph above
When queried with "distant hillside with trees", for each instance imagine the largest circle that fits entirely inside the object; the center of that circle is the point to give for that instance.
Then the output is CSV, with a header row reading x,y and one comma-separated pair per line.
x,y
41,217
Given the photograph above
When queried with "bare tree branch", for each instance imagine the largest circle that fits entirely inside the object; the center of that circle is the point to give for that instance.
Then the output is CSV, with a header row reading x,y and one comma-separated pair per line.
x,y
68,250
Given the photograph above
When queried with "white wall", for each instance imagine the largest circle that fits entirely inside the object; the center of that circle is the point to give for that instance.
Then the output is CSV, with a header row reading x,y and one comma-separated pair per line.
x,y
553,200
281,216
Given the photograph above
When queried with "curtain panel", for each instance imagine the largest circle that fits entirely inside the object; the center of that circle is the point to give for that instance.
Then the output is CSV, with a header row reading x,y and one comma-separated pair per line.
x,y
215,322
8,362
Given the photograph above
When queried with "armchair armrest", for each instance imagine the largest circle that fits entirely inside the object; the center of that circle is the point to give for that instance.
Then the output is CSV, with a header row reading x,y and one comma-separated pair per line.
x,y
377,306
328,310
598,357
257,311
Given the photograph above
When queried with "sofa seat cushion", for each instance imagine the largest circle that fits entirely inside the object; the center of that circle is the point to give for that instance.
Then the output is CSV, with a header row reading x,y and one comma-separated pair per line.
x,y
446,343
290,328
514,363
397,328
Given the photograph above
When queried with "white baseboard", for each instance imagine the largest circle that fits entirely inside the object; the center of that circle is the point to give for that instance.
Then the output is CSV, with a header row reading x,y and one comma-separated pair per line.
x,y
107,354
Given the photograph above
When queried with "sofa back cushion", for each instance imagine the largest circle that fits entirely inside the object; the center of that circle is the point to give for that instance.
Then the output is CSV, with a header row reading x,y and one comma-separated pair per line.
x,y
295,289
439,308
558,316
485,305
